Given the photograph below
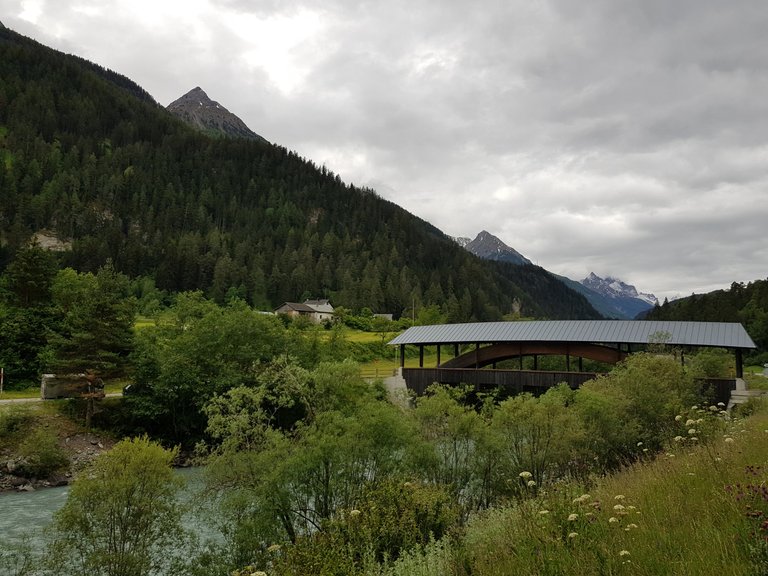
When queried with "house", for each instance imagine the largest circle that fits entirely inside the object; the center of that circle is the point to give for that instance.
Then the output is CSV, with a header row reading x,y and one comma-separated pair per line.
x,y
317,311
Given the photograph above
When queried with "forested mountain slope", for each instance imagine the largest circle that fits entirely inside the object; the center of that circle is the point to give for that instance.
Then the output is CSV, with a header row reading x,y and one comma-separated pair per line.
x,y
745,303
88,156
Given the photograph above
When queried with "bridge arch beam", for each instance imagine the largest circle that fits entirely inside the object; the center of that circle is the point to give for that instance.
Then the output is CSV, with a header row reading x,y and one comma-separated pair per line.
x,y
486,355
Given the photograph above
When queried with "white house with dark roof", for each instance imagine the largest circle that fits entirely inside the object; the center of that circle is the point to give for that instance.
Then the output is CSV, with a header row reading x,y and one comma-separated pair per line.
x,y
317,311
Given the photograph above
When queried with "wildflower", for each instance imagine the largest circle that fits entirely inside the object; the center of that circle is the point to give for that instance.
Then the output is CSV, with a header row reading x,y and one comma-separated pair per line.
x,y
531,483
630,507
354,513
525,475
573,517
713,408
274,548
721,404
613,520
631,526
572,535
678,418
618,507
543,512
690,422
645,449
670,455
581,499
679,438
694,439
624,553
692,431
639,444
619,497
694,407
729,439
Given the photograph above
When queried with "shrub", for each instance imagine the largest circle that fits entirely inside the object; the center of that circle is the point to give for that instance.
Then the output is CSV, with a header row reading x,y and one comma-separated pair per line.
x,y
13,420
41,454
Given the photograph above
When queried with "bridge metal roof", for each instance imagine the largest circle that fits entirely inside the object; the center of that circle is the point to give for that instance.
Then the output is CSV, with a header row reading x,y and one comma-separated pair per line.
x,y
716,334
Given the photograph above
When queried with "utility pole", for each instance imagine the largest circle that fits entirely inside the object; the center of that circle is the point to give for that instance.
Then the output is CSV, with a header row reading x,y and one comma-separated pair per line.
x,y
2,378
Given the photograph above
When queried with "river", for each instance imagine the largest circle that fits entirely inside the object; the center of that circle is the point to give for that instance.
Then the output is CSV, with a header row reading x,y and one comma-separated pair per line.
x,y
24,515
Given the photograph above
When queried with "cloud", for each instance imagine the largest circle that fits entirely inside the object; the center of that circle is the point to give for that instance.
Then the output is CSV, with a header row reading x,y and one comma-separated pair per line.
x,y
617,136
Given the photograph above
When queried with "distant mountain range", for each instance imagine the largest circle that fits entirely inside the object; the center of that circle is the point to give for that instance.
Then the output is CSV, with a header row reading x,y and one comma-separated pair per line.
x,y
609,296
199,111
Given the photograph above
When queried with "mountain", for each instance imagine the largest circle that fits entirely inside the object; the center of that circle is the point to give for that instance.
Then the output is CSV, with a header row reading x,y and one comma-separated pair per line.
x,y
90,160
461,240
489,247
196,109
615,288
613,298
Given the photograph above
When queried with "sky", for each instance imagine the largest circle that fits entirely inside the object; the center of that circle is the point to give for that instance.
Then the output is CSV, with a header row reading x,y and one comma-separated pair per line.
x,y
622,137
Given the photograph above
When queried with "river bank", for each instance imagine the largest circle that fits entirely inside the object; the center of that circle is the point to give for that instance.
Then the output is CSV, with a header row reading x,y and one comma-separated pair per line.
x,y
32,435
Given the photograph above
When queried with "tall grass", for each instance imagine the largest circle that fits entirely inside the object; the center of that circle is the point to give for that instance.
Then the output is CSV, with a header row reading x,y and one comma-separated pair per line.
x,y
695,510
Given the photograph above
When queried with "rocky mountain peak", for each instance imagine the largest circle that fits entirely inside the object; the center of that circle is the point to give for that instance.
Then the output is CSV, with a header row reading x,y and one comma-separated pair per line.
x,y
615,288
197,109
487,246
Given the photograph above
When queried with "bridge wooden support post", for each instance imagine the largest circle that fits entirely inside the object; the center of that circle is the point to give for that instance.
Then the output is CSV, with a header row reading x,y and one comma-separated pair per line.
x,y
402,355
421,355
455,350
581,364
567,362
739,362
535,361
438,355
477,355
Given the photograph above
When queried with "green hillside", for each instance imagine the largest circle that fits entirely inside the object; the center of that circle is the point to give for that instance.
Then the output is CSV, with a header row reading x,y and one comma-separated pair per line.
x,y
87,155
745,303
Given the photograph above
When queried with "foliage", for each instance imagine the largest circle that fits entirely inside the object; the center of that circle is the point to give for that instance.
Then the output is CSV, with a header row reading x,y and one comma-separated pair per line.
x,y
692,510
41,455
745,303
636,402
96,330
121,517
26,315
713,363
14,419
197,350
282,479
394,517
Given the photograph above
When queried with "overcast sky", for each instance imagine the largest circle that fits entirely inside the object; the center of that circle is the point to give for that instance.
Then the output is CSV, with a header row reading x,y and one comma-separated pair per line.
x,y
624,137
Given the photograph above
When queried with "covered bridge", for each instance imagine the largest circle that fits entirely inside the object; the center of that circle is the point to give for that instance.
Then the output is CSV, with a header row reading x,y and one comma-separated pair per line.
x,y
608,341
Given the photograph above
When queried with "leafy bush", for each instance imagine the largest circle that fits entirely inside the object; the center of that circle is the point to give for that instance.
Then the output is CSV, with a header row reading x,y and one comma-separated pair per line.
x,y
13,419
393,517
41,454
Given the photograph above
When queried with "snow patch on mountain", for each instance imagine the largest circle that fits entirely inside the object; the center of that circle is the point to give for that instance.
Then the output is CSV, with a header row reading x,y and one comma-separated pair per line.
x,y
614,288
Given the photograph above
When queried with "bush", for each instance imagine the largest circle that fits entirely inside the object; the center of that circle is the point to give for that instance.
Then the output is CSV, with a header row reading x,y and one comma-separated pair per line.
x,y
392,518
13,420
41,454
